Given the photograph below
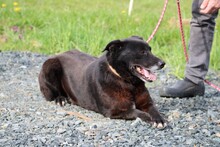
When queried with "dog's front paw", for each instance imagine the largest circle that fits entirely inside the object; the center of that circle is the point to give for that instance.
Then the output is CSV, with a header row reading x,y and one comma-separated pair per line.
x,y
159,122
62,101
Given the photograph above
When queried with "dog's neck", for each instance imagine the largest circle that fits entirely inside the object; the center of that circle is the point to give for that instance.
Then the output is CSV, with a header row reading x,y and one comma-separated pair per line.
x,y
113,70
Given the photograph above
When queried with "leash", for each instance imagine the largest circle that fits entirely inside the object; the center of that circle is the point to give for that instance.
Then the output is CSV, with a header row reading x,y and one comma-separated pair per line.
x,y
184,44
181,30
159,22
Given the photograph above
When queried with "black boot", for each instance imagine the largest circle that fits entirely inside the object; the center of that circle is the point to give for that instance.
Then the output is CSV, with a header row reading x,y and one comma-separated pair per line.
x,y
183,88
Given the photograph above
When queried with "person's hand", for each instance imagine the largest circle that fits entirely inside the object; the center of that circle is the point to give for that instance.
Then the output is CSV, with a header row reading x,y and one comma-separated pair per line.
x,y
209,6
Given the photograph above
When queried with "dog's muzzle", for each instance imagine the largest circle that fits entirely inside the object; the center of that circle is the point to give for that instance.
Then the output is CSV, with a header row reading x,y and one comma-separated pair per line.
x,y
143,73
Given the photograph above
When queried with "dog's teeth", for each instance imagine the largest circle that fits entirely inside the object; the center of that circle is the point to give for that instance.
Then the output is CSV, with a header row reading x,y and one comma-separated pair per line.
x,y
138,69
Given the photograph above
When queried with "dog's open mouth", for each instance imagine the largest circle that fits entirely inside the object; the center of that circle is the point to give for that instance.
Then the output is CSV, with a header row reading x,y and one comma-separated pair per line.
x,y
144,73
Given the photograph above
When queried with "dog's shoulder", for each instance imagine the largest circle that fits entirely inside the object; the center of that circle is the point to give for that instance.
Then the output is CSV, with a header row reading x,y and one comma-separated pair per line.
x,y
73,53
80,54
75,56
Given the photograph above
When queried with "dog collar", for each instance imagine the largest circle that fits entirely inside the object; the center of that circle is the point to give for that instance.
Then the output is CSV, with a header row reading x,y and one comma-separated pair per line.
x,y
114,71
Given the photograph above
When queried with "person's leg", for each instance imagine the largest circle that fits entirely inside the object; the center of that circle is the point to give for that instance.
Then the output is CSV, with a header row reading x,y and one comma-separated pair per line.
x,y
201,38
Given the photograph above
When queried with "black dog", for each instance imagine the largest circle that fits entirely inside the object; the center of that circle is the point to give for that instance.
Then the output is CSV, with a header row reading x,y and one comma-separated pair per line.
x,y
113,85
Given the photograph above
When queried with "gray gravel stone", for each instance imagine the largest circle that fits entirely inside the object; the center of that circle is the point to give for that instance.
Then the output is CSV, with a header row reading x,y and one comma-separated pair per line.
x,y
26,119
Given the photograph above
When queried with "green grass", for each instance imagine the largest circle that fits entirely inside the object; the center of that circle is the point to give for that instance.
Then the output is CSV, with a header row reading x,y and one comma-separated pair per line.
x,y
54,26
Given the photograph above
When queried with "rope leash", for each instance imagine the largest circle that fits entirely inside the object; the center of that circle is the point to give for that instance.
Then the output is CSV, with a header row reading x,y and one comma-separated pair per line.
x,y
181,30
212,85
159,22
182,35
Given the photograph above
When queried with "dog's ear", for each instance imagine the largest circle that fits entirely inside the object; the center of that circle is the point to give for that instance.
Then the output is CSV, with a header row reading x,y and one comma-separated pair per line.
x,y
115,44
137,37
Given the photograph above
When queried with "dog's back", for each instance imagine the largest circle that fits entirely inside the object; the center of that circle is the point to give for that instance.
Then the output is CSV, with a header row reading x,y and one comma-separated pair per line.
x,y
75,62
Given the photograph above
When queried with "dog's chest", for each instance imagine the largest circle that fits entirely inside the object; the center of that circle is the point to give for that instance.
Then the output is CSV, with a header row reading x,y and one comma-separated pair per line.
x,y
121,98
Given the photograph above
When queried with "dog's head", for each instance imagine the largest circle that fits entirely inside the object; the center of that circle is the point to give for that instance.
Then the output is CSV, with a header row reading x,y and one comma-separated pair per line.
x,y
132,58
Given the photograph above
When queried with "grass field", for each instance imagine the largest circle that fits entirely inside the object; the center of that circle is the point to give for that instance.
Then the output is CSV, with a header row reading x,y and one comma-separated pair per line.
x,y
54,26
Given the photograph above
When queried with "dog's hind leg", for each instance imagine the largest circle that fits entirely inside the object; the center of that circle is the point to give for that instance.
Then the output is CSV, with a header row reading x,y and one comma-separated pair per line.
x,y
50,81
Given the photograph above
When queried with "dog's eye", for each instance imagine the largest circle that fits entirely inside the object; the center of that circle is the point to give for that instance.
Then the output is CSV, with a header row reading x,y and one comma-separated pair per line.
x,y
144,52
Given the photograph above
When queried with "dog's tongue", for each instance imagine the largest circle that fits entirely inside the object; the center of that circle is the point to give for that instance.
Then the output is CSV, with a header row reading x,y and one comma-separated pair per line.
x,y
149,75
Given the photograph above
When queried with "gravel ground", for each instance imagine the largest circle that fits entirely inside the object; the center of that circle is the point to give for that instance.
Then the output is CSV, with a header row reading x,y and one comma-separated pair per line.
x,y
26,119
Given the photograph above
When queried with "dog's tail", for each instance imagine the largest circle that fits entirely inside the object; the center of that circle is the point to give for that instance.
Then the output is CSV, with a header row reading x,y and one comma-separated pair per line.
x,y
50,79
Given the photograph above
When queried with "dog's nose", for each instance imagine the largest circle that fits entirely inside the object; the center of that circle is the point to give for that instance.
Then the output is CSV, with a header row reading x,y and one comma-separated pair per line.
x,y
161,64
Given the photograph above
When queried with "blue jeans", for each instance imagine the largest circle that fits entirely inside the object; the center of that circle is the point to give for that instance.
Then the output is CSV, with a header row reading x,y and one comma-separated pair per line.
x,y
201,37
